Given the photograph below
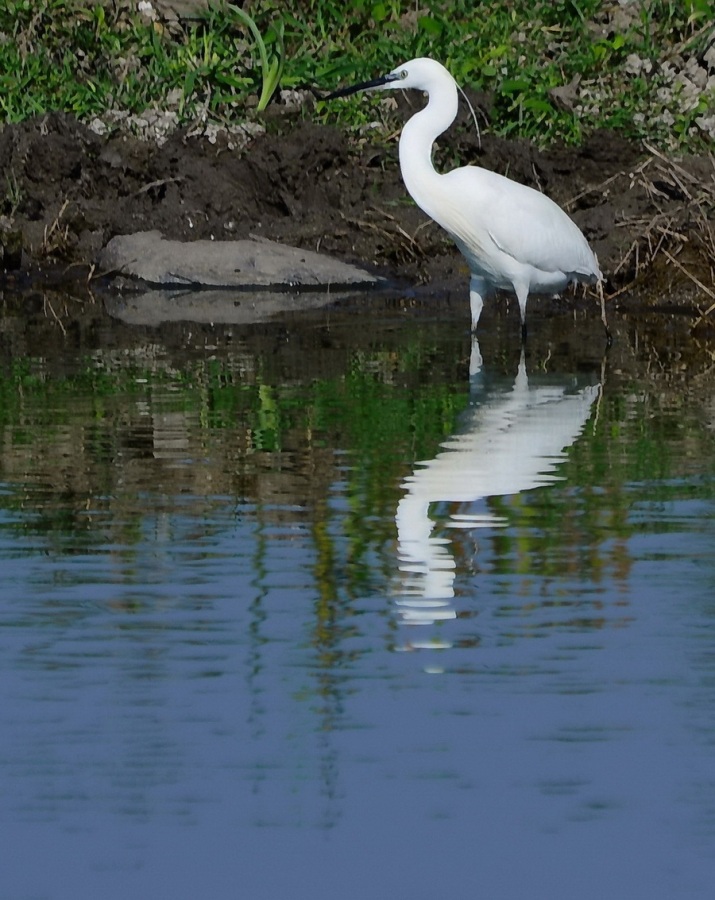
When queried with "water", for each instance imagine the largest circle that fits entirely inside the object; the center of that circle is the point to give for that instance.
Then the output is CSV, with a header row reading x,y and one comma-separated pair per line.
x,y
275,623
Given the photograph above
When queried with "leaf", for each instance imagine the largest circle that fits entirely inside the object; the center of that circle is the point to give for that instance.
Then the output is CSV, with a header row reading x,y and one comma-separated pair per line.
x,y
536,105
430,26
514,85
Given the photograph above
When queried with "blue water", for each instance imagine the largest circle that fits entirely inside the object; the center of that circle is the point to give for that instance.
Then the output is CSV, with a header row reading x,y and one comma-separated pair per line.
x,y
228,670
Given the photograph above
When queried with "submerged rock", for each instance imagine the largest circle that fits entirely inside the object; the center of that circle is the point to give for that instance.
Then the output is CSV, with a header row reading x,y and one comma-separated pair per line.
x,y
243,264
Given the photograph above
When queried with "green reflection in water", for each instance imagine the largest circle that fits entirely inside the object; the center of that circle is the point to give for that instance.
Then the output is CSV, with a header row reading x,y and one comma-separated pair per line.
x,y
318,425
146,446
94,449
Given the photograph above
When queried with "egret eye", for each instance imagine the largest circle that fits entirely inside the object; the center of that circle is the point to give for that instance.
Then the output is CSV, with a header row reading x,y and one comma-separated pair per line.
x,y
403,74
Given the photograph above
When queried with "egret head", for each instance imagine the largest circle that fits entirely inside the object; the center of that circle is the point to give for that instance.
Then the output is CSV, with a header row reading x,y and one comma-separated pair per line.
x,y
423,74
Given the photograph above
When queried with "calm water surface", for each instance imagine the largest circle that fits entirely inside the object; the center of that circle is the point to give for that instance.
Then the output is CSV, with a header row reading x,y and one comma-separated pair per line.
x,y
304,610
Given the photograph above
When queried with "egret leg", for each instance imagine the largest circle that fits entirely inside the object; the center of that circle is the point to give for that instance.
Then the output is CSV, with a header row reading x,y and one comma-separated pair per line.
x,y
602,299
477,291
522,295
521,382
475,358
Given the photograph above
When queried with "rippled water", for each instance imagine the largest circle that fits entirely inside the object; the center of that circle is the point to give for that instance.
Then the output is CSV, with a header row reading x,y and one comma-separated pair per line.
x,y
304,610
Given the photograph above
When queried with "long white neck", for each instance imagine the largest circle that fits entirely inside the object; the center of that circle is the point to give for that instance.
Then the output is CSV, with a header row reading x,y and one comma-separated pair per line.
x,y
416,140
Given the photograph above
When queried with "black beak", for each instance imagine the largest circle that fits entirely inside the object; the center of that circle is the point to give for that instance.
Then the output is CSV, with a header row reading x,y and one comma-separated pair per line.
x,y
363,86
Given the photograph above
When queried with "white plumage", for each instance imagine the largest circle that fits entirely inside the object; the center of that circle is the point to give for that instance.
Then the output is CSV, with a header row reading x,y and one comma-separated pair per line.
x,y
513,237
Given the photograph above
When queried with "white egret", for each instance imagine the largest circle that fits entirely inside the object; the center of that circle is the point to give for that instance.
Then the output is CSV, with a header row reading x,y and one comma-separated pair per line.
x,y
513,237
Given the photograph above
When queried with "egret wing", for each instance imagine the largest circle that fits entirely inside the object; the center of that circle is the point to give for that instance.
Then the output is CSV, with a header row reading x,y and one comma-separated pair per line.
x,y
523,223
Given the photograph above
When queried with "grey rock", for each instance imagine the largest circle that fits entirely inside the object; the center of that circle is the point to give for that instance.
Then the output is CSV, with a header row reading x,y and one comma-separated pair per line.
x,y
241,264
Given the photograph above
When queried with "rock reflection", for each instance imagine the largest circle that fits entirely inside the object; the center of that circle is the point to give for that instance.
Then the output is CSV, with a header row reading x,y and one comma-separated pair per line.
x,y
512,438
229,307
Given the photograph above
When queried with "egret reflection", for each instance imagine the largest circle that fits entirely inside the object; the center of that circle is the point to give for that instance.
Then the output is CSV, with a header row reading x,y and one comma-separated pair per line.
x,y
512,438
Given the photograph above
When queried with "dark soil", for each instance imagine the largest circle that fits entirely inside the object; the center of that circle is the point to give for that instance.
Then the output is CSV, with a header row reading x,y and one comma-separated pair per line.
x,y
69,191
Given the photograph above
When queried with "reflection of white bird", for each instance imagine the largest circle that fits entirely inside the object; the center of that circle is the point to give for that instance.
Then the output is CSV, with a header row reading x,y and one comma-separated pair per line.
x,y
513,439
512,236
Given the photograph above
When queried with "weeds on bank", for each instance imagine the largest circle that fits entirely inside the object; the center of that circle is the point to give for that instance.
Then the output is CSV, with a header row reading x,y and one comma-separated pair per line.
x,y
679,230
552,68
10,203
56,235
271,67
87,59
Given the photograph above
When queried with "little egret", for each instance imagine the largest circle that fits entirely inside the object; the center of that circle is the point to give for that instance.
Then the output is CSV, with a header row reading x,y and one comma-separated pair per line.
x,y
513,237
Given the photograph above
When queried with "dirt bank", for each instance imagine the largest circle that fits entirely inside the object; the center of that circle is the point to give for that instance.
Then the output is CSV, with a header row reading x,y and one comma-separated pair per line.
x,y
68,190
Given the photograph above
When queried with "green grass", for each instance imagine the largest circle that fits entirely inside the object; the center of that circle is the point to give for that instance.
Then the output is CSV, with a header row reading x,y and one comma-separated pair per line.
x,y
86,59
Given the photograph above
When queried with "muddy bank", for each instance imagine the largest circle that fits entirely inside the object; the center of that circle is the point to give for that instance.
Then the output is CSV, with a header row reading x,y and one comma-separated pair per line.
x,y
69,190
